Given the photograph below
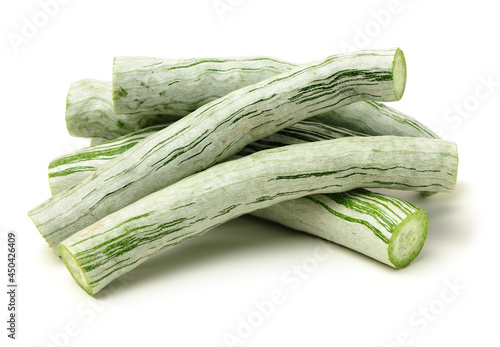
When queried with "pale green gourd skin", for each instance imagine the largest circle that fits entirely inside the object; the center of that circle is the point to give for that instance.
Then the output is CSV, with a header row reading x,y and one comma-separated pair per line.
x,y
218,130
121,241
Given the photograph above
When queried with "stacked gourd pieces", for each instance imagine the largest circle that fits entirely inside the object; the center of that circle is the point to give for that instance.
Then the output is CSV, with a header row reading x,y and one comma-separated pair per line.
x,y
182,146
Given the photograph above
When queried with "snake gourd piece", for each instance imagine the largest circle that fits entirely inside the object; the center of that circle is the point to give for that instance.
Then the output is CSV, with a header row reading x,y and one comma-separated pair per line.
x,y
385,228
165,84
144,86
121,241
217,131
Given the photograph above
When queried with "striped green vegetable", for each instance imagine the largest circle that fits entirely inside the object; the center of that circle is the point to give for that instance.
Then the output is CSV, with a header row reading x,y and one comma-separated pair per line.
x,y
218,130
151,85
143,86
367,222
385,228
179,87
121,241
167,84
89,112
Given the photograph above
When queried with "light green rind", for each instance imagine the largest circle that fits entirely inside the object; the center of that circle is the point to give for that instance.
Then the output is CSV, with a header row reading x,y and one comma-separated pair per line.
x,y
90,112
215,132
121,241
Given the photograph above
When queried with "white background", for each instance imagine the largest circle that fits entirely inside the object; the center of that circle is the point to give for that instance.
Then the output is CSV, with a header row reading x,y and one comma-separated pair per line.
x,y
197,292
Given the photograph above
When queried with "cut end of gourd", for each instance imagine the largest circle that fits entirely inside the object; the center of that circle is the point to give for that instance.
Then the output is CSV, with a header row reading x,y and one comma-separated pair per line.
x,y
74,269
408,239
33,219
399,74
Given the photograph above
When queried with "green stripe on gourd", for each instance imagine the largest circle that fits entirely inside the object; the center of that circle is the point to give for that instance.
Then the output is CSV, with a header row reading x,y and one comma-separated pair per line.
x,y
217,131
121,241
